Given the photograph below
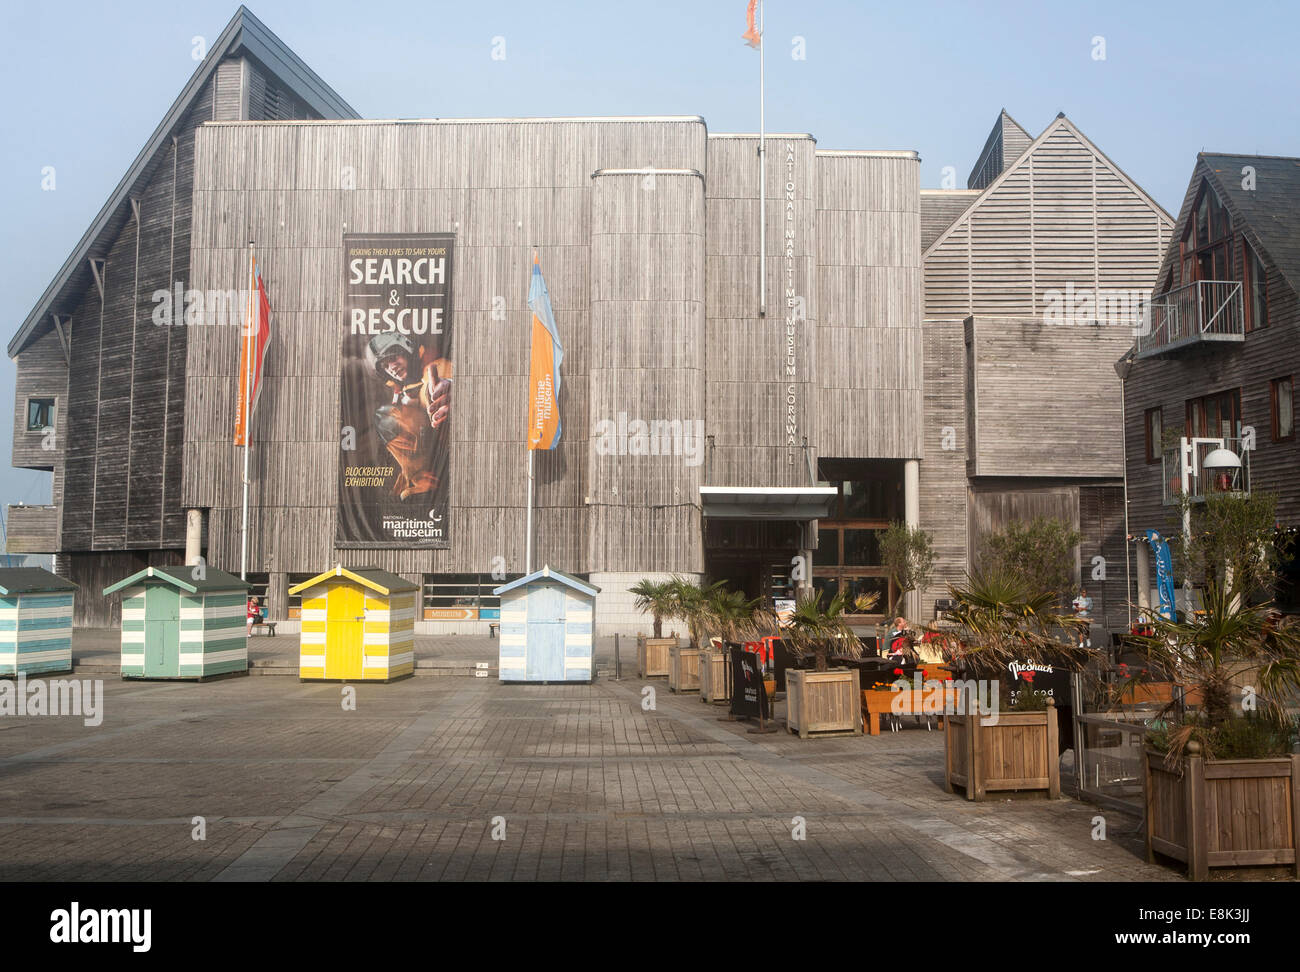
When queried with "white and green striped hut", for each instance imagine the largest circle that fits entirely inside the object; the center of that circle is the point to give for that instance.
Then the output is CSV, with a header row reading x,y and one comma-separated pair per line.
x,y
182,622
35,621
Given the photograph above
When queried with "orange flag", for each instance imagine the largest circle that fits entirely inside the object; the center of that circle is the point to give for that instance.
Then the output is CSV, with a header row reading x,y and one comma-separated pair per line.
x,y
751,36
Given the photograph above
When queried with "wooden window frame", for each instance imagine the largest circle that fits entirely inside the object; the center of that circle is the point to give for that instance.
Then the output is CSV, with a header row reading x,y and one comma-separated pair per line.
x,y
1196,406
1146,432
1247,285
1274,415
27,413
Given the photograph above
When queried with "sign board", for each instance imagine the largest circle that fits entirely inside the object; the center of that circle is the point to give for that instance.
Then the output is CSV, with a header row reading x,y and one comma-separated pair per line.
x,y
395,391
748,694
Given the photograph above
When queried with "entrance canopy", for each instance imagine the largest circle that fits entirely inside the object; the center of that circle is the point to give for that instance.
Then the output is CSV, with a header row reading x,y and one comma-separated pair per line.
x,y
767,502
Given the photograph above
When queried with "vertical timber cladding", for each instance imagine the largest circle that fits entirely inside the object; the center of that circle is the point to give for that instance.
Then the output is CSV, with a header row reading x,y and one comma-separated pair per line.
x,y
761,384
648,446
395,391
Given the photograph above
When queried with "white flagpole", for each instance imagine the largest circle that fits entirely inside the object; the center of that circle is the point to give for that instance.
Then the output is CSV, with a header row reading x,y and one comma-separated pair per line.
x,y
246,354
528,544
762,173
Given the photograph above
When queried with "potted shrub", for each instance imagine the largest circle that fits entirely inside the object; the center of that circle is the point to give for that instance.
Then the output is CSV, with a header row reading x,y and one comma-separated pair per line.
x,y
659,599
989,747
820,700
732,618
1222,781
692,604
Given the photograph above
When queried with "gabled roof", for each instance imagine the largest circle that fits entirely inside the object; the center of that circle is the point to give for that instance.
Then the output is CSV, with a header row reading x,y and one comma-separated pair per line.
x,y
1270,209
32,580
183,577
1004,126
245,34
1059,122
552,574
379,581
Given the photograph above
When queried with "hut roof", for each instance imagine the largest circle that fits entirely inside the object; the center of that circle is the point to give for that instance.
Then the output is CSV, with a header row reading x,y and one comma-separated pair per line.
x,y
183,577
550,572
373,578
32,580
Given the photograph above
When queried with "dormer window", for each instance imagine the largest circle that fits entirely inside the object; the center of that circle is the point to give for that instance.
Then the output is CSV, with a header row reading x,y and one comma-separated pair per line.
x,y
1207,240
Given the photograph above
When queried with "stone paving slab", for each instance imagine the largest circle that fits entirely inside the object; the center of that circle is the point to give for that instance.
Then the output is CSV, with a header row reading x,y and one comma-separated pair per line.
x,y
416,782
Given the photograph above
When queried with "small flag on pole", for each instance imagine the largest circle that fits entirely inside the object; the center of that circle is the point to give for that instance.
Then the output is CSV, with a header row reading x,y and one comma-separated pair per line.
x,y
544,370
751,36
256,334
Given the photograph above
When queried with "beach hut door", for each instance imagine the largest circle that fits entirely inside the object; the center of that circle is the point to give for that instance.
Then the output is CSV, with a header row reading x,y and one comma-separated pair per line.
x,y
162,631
545,639
345,621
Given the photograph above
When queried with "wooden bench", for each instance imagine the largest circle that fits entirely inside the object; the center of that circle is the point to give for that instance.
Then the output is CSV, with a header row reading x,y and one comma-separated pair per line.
x,y
268,625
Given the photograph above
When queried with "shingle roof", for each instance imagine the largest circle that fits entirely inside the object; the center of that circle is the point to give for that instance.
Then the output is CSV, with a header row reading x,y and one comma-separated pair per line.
x,y
1271,208
32,580
185,578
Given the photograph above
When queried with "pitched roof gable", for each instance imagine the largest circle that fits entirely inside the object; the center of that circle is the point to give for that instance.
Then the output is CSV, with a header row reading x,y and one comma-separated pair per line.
x,y
1270,210
1058,123
245,33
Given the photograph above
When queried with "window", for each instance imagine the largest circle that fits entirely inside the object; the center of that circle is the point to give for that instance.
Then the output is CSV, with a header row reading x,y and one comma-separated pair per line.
x,y
1207,242
1216,416
848,558
1155,431
1282,401
40,414
1255,286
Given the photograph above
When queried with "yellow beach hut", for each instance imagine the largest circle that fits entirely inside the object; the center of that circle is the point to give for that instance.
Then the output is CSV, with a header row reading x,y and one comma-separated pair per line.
x,y
358,624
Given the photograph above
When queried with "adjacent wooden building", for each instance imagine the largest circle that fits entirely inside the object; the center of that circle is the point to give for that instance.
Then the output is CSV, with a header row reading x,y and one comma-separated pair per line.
x,y
1220,352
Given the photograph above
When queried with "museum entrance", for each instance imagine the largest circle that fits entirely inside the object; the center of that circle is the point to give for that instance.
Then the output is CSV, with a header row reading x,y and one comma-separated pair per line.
x,y
754,556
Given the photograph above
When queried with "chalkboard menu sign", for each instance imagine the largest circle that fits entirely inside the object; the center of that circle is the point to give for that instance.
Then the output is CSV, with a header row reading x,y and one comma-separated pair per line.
x,y
748,694
1046,678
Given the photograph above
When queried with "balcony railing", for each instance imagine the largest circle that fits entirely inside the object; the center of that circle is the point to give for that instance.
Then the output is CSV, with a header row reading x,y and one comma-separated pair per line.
x,y
1205,480
32,530
1207,310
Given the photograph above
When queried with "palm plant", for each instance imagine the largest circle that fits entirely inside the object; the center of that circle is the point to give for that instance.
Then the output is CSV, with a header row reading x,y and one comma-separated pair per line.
x,y
692,604
1229,640
731,616
657,598
999,617
814,629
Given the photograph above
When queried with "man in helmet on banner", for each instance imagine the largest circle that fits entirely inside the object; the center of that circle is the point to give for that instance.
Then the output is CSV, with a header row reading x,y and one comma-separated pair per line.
x,y
421,386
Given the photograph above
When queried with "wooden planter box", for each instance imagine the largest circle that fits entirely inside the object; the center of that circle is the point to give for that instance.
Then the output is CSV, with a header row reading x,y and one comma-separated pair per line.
x,y
878,702
1223,813
715,676
1018,752
823,703
652,659
684,669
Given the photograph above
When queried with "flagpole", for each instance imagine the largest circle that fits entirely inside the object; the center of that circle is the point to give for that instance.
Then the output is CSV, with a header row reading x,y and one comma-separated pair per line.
x,y
248,425
762,173
528,444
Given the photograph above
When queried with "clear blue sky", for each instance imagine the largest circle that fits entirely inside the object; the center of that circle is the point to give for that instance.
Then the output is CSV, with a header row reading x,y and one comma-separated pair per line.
x,y
89,81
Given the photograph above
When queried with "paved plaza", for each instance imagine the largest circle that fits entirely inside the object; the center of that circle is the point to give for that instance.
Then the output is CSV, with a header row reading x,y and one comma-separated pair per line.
x,y
582,782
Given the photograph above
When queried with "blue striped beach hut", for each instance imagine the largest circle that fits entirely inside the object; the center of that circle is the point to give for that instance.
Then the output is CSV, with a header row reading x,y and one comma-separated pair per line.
x,y
35,621
547,621
182,622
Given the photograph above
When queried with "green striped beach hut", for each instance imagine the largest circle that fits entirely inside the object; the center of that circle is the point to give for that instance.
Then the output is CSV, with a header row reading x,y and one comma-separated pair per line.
x,y
35,621
182,622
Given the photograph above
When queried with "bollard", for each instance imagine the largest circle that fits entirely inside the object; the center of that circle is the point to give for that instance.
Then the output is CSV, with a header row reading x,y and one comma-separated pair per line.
x,y
618,665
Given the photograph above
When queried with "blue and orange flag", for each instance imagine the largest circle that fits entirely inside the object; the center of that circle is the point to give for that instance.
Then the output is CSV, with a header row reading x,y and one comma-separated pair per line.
x,y
544,370
751,36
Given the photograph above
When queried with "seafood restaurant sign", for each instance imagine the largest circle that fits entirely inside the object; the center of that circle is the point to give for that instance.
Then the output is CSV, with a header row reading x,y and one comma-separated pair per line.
x,y
395,394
